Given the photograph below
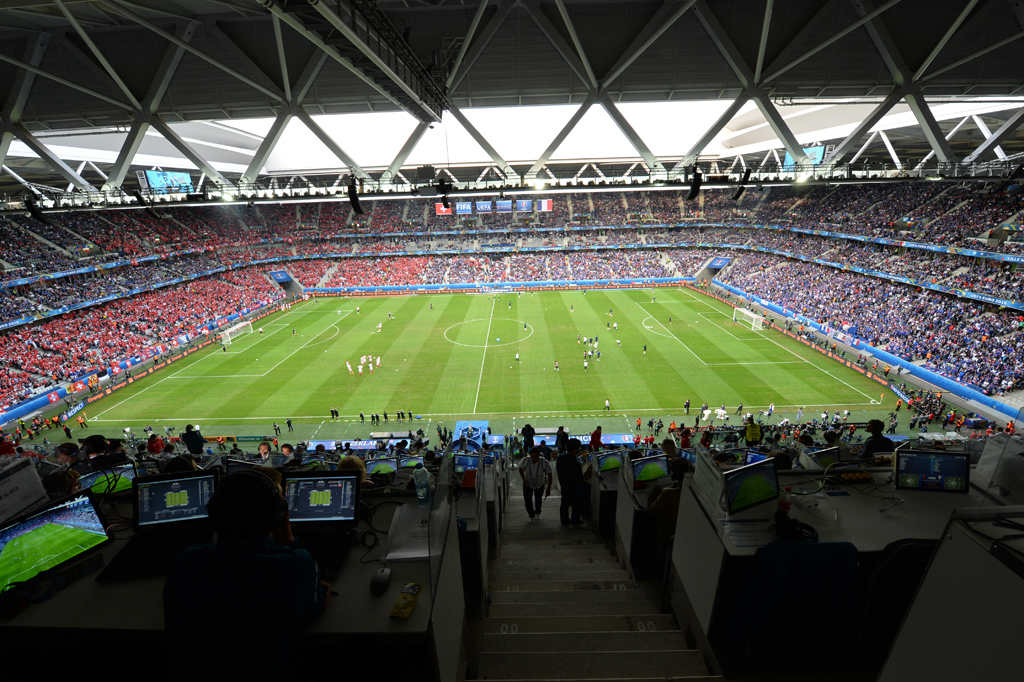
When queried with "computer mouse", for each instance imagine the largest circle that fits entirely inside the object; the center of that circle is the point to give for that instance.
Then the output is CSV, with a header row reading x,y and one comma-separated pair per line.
x,y
379,582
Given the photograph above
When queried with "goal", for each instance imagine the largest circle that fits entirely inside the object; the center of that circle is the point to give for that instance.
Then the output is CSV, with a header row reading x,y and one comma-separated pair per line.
x,y
741,315
230,333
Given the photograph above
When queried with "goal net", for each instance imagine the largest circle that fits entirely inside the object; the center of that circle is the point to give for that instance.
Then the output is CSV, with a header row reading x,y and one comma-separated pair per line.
x,y
229,334
743,316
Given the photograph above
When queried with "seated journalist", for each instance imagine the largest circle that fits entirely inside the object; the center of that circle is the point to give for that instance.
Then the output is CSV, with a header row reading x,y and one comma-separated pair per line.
x,y
249,592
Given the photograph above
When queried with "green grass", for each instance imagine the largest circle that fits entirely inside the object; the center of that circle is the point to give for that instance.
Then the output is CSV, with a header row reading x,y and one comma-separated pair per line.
x,y
41,549
752,489
111,483
446,363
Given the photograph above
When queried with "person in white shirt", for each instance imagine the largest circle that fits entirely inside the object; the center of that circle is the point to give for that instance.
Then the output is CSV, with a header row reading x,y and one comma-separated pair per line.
x,y
536,474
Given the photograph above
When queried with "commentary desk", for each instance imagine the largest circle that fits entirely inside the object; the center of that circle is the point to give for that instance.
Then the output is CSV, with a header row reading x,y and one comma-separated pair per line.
x,y
711,549
128,616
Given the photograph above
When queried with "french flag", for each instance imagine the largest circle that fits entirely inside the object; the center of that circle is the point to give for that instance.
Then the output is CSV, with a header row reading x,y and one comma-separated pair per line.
x,y
544,204
441,210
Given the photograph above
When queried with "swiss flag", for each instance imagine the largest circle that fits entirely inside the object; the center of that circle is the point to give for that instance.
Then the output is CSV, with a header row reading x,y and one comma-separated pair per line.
x,y
441,210
79,385
53,397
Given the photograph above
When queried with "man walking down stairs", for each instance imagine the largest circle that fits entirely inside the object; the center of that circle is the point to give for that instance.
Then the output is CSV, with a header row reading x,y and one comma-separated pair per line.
x,y
563,608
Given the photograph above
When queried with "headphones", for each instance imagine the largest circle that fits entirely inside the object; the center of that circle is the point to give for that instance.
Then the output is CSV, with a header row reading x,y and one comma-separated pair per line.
x,y
274,518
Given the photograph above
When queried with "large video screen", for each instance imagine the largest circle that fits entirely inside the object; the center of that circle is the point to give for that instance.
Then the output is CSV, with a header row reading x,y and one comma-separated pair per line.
x,y
169,182
815,155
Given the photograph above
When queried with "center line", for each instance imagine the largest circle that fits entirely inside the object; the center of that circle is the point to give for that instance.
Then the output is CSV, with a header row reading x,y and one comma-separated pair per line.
x,y
486,339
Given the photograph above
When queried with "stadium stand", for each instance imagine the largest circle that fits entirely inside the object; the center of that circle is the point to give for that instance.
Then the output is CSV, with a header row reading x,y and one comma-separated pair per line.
x,y
943,214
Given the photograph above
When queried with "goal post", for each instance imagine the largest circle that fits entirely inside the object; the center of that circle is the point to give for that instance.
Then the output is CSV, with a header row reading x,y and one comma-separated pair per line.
x,y
742,316
228,335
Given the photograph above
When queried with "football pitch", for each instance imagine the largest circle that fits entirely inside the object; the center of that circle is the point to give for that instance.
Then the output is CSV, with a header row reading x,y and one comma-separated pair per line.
x,y
42,548
452,356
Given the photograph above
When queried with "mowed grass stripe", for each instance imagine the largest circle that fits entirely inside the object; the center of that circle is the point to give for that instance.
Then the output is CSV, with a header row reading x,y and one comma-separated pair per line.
x,y
439,378
419,352
629,378
824,378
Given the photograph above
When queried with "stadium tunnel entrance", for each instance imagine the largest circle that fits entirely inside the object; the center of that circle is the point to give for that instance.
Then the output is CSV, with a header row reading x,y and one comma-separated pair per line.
x,y
714,266
284,280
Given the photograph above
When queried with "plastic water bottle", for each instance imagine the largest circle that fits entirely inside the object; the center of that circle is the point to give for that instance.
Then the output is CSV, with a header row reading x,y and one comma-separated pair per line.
x,y
786,500
422,480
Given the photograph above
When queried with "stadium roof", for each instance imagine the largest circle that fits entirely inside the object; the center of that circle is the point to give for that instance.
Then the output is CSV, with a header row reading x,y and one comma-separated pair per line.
x,y
243,90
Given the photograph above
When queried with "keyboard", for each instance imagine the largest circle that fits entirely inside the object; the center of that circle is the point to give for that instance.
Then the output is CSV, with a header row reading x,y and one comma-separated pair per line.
x,y
328,548
146,556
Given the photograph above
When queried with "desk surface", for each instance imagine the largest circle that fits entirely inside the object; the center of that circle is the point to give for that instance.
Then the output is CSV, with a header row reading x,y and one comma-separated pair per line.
x,y
856,516
138,604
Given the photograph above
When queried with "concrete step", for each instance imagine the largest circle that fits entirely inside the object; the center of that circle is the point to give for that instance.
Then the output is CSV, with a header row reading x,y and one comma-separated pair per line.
x,y
620,608
531,551
519,573
557,560
660,678
540,532
573,540
644,622
668,640
558,585
589,597
588,665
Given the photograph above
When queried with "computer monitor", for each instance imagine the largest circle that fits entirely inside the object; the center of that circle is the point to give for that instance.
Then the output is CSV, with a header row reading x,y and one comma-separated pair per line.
x,y
753,457
384,465
147,467
650,468
609,461
463,463
751,485
409,462
322,497
44,539
313,458
275,461
827,456
235,465
171,498
946,472
116,479
212,462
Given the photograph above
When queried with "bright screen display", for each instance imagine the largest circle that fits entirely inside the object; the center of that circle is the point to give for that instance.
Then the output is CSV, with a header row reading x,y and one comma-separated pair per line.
x,y
948,473
815,155
751,485
42,541
650,468
169,182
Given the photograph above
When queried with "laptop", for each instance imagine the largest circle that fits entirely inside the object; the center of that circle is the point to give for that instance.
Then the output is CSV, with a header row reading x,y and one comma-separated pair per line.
x,y
108,480
277,461
169,514
147,467
47,538
933,471
235,465
323,511
381,466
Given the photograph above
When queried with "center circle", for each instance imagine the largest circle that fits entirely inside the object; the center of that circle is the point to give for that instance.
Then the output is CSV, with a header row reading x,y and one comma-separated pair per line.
x,y
474,334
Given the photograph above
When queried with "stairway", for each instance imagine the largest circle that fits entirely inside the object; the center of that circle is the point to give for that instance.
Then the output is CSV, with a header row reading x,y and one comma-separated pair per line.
x,y
563,608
